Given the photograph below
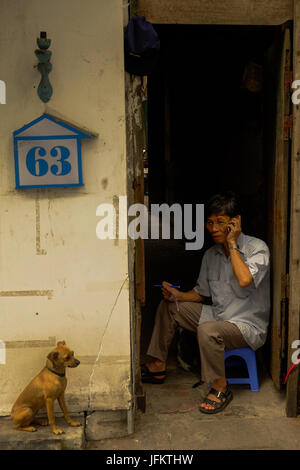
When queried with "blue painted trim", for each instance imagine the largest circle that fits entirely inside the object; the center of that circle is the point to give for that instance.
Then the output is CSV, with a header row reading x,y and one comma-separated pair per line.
x,y
50,186
18,131
47,137
78,138
63,124
16,163
59,123
79,161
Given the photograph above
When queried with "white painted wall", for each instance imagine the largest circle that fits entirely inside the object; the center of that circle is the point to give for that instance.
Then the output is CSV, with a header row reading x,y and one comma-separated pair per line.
x,y
88,304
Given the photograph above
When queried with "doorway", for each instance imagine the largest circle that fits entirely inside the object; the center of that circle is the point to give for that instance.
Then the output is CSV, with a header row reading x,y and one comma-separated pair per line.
x,y
214,123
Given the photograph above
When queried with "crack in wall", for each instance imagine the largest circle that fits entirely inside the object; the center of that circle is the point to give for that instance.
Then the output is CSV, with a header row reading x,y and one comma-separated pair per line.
x,y
101,342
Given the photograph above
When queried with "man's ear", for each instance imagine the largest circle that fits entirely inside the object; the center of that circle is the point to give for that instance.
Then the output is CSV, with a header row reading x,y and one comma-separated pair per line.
x,y
53,356
61,343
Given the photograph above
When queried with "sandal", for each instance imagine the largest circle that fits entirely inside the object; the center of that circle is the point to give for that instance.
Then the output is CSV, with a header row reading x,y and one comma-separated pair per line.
x,y
150,377
225,397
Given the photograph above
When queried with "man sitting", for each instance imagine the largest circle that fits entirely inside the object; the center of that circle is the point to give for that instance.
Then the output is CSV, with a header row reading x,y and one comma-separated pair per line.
x,y
235,274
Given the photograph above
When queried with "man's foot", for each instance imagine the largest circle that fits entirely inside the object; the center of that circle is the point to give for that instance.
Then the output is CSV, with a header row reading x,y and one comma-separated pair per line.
x,y
153,372
216,400
213,397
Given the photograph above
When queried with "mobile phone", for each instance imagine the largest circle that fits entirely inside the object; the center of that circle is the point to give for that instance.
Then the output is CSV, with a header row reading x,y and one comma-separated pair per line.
x,y
228,227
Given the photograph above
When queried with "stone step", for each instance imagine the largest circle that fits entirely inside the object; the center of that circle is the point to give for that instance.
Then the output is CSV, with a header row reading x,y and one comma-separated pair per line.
x,y
43,438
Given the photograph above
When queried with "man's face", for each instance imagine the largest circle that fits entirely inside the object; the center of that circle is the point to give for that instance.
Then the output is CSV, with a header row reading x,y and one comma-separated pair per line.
x,y
216,224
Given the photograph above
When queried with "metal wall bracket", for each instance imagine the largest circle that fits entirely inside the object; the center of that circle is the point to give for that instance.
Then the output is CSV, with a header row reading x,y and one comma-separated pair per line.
x,y
45,89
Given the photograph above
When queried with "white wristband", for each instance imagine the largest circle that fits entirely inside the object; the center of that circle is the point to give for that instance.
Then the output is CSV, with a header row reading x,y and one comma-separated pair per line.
x,y
233,247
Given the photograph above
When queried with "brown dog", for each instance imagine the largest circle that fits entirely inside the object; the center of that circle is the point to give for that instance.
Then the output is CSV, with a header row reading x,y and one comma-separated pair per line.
x,y
43,390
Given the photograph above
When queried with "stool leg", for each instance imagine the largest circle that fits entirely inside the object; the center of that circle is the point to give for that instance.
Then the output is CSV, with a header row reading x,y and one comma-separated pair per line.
x,y
252,371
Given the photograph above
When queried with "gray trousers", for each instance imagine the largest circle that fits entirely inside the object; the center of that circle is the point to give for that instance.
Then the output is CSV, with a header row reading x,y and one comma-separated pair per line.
x,y
213,336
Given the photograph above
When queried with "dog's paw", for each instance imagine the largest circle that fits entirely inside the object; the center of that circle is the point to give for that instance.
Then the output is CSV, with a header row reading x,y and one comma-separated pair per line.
x,y
29,428
57,431
74,423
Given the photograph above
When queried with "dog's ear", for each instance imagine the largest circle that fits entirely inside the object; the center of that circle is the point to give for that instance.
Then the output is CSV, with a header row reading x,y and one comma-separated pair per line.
x,y
53,356
61,343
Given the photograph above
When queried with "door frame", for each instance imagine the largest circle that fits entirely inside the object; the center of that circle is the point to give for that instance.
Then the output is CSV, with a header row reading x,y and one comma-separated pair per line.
x,y
221,12
230,13
294,258
135,144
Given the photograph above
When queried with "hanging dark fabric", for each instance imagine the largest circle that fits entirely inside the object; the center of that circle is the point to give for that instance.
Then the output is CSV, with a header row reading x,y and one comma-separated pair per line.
x,y
142,45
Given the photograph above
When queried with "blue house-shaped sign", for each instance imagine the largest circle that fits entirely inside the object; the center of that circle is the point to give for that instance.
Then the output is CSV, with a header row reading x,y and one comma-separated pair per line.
x,y
48,154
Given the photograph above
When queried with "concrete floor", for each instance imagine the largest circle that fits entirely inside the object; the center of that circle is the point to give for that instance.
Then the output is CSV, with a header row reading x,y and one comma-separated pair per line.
x,y
172,421
43,438
253,420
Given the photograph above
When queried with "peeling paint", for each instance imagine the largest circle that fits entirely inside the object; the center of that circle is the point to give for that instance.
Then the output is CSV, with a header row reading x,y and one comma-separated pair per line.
x,y
50,219
27,293
135,119
105,360
116,207
39,250
34,343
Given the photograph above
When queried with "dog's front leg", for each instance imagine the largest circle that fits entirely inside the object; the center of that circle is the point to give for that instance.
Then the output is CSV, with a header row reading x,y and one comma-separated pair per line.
x,y
51,418
62,404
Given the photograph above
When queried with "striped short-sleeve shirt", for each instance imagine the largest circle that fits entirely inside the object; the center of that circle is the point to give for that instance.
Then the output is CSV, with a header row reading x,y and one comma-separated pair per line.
x,y
247,307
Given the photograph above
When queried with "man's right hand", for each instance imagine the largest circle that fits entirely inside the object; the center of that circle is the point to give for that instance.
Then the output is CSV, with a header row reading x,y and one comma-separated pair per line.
x,y
169,292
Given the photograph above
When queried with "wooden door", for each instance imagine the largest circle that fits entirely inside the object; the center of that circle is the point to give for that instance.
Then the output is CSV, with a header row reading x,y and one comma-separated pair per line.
x,y
292,398
280,66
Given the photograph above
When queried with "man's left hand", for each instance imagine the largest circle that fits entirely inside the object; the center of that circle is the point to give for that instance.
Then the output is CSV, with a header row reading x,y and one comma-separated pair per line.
x,y
234,230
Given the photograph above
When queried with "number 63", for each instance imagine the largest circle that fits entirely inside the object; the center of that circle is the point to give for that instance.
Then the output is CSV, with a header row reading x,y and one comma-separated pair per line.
x,y
39,166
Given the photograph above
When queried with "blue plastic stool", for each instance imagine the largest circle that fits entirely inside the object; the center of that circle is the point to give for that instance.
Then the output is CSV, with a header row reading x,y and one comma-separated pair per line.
x,y
249,357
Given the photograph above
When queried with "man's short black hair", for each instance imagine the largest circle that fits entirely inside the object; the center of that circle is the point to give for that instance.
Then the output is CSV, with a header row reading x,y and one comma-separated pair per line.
x,y
227,202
